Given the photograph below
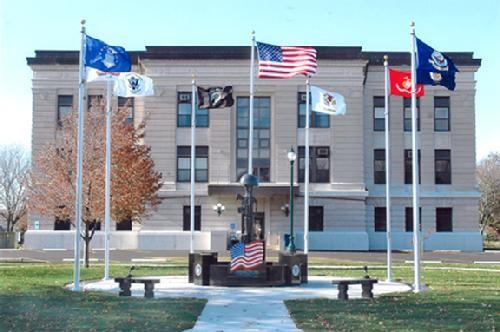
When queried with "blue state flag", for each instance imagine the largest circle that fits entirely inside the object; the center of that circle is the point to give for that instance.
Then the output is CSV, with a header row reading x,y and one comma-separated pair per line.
x,y
106,58
433,67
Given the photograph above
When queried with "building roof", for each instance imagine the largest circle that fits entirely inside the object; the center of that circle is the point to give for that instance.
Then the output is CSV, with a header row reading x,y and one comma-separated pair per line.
x,y
48,57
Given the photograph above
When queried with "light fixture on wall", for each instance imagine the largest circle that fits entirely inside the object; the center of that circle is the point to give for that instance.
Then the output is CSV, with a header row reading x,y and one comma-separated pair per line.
x,y
219,208
286,209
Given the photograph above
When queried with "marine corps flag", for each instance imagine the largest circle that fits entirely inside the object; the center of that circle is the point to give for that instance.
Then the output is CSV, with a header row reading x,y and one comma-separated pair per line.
x,y
400,82
215,97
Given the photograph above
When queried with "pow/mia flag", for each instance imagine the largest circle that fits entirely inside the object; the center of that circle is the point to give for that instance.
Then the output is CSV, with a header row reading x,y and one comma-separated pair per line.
x,y
433,67
215,97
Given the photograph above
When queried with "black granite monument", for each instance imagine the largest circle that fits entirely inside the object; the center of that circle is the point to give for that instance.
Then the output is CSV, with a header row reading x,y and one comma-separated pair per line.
x,y
205,269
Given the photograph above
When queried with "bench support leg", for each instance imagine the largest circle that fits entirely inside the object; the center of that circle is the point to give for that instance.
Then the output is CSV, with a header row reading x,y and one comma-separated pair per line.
x,y
149,290
125,288
343,291
367,291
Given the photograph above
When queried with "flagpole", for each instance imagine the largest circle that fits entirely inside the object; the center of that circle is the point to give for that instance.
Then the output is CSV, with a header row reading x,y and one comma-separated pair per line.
x,y
388,171
193,159
306,173
107,202
79,161
250,125
417,287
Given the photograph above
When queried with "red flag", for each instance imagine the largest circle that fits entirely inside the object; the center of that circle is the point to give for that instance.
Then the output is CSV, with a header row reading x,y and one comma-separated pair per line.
x,y
401,84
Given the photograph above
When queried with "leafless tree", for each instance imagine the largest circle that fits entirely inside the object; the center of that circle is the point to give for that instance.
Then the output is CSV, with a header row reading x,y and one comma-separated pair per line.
x,y
488,175
14,170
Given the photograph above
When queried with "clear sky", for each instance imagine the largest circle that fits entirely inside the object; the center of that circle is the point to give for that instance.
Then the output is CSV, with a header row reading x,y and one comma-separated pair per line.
x,y
460,25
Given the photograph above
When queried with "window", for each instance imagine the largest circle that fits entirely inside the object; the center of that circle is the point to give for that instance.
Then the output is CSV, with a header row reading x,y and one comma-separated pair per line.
x,y
444,217
184,112
442,166
124,225
319,164
379,166
316,119
408,167
441,113
184,164
186,218
62,224
95,101
261,137
315,218
378,113
409,219
64,107
380,219
407,114
128,104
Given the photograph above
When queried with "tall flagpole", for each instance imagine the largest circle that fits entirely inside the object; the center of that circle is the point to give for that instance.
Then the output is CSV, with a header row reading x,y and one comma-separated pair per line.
x,y
193,159
79,160
306,173
250,125
387,171
417,287
107,201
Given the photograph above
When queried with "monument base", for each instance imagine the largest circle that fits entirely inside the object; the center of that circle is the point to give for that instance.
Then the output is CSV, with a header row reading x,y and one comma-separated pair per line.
x,y
205,270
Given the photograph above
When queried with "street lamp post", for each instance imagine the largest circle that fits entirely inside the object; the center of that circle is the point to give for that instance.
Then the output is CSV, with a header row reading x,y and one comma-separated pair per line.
x,y
291,157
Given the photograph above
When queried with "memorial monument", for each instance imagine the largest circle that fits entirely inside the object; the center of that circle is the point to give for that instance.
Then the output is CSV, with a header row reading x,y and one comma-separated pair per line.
x,y
248,266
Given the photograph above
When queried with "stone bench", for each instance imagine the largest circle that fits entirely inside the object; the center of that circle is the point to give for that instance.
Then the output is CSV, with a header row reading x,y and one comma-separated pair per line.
x,y
126,283
366,286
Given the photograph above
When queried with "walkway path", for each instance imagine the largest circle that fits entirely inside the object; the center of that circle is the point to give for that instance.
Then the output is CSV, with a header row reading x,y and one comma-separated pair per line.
x,y
246,308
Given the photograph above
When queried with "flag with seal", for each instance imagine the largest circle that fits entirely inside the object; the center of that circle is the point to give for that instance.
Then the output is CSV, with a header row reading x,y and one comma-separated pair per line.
x,y
327,102
215,97
133,85
400,83
100,55
433,67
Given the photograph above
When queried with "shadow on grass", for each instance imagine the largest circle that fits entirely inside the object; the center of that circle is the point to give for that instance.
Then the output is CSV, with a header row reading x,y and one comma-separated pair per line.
x,y
51,308
407,312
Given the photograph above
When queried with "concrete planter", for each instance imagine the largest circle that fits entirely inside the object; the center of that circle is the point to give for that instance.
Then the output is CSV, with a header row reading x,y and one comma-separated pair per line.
x,y
7,240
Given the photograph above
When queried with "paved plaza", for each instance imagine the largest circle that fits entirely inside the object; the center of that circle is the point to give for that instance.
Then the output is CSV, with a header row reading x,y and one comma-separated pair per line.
x,y
246,308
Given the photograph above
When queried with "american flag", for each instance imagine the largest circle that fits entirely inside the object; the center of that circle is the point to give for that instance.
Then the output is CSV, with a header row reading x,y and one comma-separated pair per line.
x,y
245,256
285,61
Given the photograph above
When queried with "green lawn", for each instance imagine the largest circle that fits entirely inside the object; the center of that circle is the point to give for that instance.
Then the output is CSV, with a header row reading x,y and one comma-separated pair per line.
x,y
32,298
458,301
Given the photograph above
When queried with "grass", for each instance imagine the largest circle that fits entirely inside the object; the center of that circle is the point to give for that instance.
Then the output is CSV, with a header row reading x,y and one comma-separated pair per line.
x,y
32,298
458,301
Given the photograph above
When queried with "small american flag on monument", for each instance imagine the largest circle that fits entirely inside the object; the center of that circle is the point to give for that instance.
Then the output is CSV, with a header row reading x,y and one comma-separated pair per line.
x,y
246,256
285,61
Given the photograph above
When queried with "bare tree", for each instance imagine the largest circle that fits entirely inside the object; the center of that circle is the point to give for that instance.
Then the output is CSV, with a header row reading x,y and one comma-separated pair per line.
x,y
134,181
14,168
488,175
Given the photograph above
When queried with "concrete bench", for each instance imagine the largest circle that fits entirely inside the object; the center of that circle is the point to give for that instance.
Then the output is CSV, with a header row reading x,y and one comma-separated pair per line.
x,y
366,286
126,283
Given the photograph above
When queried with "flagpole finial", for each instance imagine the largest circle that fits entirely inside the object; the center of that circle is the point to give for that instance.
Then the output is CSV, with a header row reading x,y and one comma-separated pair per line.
x,y
386,57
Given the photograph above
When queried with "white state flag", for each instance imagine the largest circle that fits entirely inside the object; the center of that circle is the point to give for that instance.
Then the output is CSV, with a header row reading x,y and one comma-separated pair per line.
x,y
327,102
133,85
96,75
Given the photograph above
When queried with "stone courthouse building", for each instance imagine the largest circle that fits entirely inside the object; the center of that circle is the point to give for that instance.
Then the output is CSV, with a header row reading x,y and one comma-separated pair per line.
x,y
347,191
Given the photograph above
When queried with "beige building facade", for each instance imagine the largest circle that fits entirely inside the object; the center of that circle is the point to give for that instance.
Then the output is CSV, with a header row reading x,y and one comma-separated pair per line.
x,y
347,190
